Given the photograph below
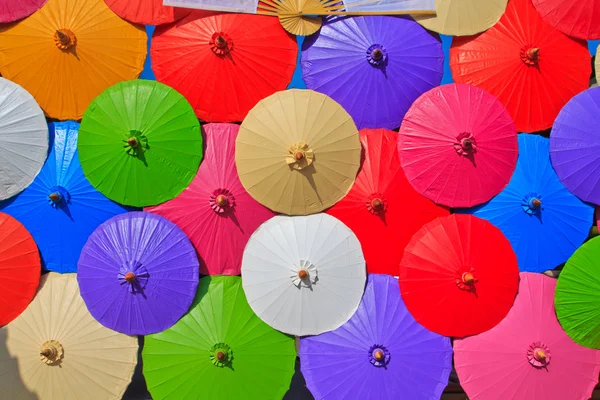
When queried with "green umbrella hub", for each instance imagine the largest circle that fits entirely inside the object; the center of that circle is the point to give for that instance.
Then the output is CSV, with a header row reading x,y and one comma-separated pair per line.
x,y
221,355
136,143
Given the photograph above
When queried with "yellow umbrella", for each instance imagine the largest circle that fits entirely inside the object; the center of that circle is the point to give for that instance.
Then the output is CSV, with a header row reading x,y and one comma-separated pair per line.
x,y
68,52
463,17
61,352
298,152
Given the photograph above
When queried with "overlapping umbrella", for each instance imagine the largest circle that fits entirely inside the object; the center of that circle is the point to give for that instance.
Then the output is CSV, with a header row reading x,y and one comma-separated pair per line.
x,y
215,211
147,12
11,10
575,18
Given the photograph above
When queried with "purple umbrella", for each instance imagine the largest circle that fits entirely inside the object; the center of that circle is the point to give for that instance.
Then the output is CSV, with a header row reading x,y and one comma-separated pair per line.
x,y
380,353
138,273
374,66
575,145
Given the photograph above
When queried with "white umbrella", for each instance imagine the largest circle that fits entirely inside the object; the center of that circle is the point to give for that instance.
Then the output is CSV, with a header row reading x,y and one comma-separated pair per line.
x,y
304,275
23,139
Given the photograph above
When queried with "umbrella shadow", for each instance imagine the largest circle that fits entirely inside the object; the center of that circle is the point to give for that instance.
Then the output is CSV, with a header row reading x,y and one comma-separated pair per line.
x,y
141,156
15,387
308,173
231,215
64,207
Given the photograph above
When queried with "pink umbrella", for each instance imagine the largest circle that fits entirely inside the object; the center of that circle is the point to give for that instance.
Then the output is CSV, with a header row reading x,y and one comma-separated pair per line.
x,y
12,10
527,355
215,211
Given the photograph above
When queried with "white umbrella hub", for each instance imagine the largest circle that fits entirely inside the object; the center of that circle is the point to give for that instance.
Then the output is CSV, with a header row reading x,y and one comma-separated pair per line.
x,y
304,274
300,156
52,352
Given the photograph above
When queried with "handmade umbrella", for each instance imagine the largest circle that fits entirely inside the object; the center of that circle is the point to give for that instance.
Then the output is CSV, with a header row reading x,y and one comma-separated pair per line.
x,y
459,17
298,152
382,208
574,145
11,10
19,268
60,208
521,60
147,12
380,353
140,143
23,139
304,275
458,145
577,296
459,276
375,67
527,355
575,18
138,273
225,63
543,221
215,211
220,349
68,52
62,352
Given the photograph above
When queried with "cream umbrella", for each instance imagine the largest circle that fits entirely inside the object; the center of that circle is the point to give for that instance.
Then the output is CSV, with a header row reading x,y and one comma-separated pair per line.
x,y
62,352
298,152
594,82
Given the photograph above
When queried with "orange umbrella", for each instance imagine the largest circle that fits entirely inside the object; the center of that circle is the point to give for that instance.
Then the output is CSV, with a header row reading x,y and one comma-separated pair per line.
x,y
147,12
68,52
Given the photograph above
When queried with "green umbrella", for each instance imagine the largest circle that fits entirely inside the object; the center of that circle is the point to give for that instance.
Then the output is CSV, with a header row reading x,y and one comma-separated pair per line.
x,y
577,297
140,143
219,350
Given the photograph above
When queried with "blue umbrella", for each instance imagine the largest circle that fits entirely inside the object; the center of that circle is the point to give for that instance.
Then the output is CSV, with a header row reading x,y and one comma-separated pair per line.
x,y
60,208
544,222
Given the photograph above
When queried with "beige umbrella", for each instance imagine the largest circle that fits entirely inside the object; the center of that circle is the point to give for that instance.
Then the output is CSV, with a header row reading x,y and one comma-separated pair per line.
x,y
298,152
61,351
463,17
594,81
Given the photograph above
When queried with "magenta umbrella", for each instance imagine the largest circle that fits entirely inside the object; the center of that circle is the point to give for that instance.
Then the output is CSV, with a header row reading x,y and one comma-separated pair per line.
x,y
12,10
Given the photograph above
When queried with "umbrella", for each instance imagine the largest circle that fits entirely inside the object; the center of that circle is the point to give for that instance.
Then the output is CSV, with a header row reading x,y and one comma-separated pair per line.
x,y
60,208
543,221
11,10
147,12
382,208
460,17
304,275
527,355
458,145
62,352
298,152
574,144
215,211
375,67
138,273
23,139
19,268
220,349
575,18
380,353
577,297
140,143
68,52
521,60
459,276
224,64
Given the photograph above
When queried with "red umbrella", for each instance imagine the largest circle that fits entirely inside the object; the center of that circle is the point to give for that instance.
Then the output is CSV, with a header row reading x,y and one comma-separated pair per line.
x,y
382,208
459,276
224,64
532,68
147,12
577,18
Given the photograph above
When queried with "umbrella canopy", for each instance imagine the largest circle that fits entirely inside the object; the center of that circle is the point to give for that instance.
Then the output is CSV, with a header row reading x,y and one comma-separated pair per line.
x,y
543,221
527,355
140,143
380,353
460,17
577,296
215,211
574,18
62,352
382,208
225,63
147,12
220,349
375,67
60,208
138,273
11,10
459,276
69,52
19,268
298,152
521,60
458,145
574,145
23,139
304,275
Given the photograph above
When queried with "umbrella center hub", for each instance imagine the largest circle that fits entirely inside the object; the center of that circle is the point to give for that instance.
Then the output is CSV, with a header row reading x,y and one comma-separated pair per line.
x,y
379,356
221,44
377,203
377,55
465,144
135,143
65,39
530,56
221,201
134,276
299,156
304,274
221,355
538,355
51,352
58,197
467,280
532,203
